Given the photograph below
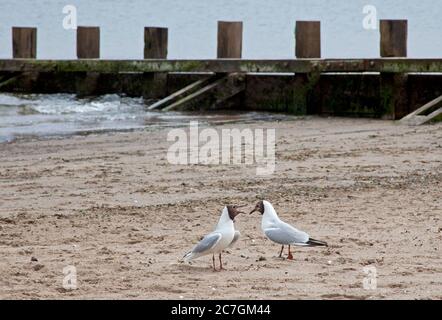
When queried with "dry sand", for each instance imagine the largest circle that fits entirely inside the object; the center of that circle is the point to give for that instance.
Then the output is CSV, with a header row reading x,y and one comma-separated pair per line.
x,y
113,207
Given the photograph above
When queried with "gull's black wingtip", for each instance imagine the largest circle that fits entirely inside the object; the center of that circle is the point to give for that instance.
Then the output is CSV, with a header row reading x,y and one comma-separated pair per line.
x,y
317,243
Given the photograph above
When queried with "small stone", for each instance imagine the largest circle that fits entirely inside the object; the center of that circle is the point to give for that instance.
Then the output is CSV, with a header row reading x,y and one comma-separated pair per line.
x,y
262,259
34,259
38,267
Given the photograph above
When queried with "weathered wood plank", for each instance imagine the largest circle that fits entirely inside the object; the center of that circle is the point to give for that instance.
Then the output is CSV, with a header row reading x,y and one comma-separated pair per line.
x,y
390,65
394,35
24,43
416,117
88,42
180,94
234,85
8,81
308,45
229,40
213,94
394,86
308,39
394,96
192,97
155,43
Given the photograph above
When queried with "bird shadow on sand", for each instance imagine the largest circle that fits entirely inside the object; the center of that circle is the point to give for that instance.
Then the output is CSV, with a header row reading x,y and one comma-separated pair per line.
x,y
278,258
192,268
200,269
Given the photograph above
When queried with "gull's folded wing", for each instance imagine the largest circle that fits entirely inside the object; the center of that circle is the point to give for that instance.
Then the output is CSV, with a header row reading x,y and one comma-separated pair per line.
x,y
286,234
207,243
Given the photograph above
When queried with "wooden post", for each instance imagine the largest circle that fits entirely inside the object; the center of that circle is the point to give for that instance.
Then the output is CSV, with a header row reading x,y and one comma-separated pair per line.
x,y
88,42
308,39
155,47
155,43
394,34
229,40
308,45
24,43
394,93
88,47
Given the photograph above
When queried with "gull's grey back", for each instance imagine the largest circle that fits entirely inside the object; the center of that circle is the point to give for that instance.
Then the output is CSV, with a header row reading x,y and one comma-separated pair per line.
x,y
285,234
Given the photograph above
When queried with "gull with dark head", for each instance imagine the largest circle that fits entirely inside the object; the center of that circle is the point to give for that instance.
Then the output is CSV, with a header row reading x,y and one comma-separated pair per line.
x,y
221,238
280,232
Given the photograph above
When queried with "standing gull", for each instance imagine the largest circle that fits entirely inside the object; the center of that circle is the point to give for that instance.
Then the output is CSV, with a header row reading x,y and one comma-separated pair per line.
x,y
280,232
221,238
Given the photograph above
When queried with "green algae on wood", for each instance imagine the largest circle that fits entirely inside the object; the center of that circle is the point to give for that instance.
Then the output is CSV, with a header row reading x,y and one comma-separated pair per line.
x,y
224,65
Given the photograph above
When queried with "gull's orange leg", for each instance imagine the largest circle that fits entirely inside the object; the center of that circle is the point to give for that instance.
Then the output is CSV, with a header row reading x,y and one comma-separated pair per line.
x,y
290,256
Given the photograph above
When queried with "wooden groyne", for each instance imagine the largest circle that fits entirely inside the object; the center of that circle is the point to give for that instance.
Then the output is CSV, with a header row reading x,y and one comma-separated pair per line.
x,y
390,86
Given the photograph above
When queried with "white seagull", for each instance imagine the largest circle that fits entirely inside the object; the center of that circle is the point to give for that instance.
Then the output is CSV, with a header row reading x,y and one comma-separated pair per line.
x,y
280,232
221,238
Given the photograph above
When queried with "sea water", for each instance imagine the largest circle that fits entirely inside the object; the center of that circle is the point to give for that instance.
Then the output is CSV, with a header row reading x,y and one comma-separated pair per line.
x,y
268,34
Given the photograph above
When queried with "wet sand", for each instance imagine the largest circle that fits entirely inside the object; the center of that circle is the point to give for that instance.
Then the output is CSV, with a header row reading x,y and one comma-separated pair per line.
x,y
113,207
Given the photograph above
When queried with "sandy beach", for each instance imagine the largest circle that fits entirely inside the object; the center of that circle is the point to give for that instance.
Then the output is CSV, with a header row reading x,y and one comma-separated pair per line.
x,y
114,208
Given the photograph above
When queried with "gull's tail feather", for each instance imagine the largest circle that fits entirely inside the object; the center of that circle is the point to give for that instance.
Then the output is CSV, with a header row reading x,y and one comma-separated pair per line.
x,y
317,243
